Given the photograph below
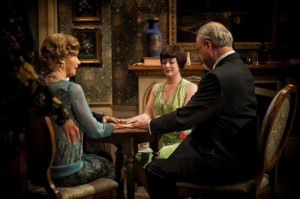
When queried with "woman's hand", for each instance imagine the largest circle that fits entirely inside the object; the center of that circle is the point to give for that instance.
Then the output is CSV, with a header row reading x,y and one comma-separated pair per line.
x,y
131,120
111,119
122,125
71,131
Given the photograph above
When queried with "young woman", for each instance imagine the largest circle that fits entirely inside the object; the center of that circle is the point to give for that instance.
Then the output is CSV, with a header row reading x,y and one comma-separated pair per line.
x,y
166,96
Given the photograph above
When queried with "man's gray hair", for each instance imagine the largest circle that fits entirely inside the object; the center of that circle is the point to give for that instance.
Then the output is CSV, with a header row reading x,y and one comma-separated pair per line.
x,y
217,33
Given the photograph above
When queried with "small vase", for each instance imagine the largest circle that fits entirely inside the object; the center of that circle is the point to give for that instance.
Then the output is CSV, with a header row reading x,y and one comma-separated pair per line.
x,y
153,38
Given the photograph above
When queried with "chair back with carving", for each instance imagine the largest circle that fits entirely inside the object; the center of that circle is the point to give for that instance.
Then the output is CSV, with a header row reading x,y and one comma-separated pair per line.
x,y
147,96
41,154
273,134
195,79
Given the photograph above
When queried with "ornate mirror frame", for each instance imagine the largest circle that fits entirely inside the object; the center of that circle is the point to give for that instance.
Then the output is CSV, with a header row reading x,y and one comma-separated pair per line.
x,y
239,45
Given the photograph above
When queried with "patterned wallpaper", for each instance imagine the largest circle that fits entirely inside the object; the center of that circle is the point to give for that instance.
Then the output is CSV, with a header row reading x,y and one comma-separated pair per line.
x,y
122,25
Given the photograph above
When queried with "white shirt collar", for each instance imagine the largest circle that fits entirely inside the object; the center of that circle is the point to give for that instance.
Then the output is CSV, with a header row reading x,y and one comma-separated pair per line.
x,y
222,57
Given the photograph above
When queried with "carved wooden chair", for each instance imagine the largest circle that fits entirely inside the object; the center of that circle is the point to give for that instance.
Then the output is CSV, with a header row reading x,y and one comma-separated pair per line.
x,y
194,78
273,134
41,154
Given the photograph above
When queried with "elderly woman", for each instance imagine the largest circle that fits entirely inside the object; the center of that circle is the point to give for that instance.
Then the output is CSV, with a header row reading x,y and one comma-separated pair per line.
x,y
59,61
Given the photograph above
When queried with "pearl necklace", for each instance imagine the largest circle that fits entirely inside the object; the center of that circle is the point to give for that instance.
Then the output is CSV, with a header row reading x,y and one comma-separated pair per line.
x,y
54,74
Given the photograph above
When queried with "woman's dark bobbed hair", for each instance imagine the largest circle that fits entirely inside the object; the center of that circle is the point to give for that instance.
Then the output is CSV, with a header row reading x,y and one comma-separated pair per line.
x,y
174,51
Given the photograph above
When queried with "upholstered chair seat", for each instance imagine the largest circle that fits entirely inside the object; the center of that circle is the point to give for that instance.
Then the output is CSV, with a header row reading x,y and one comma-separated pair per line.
x,y
89,189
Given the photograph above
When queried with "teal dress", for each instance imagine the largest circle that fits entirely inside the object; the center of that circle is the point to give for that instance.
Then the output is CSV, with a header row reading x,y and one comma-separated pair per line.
x,y
169,141
71,165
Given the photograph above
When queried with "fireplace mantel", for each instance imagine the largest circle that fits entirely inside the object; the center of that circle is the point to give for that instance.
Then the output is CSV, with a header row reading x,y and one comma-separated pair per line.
x,y
198,69
274,74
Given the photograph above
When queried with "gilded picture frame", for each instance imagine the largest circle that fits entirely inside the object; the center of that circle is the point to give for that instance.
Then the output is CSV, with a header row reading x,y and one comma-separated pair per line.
x,y
90,44
255,21
86,10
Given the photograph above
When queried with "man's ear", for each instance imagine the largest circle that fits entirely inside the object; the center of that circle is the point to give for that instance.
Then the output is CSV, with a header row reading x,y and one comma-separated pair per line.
x,y
207,43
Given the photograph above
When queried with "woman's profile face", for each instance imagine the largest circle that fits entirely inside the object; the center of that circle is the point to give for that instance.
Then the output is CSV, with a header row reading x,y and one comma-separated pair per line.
x,y
71,63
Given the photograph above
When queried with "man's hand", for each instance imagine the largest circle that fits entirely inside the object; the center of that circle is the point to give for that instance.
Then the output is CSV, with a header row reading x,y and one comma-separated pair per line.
x,y
136,119
71,131
142,124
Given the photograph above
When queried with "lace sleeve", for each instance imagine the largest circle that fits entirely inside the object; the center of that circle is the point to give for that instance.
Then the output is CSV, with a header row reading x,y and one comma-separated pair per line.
x,y
83,114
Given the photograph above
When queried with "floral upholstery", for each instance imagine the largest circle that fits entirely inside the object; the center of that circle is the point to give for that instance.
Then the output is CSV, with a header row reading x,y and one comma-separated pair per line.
x,y
195,79
277,128
92,188
239,187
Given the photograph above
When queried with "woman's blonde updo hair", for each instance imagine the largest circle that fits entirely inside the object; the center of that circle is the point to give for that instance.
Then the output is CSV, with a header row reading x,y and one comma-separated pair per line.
x,y
54,48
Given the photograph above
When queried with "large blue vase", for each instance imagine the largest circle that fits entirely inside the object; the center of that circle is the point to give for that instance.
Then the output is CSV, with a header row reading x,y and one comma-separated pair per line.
x,y
153,38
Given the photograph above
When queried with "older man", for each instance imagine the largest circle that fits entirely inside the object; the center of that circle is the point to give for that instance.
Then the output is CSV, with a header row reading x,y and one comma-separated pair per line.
x,y
221,147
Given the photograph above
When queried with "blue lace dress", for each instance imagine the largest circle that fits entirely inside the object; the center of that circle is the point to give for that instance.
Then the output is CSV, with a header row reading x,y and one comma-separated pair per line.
x,y
71,166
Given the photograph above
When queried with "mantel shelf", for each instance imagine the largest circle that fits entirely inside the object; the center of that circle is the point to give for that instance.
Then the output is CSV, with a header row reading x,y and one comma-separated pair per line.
x,y
269,74
270,68
158,67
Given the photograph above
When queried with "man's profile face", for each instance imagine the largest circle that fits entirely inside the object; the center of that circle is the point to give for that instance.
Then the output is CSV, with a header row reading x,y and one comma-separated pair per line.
x,y
202,51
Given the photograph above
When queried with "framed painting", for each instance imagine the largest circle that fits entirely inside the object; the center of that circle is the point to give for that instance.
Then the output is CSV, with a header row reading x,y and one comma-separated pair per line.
x,y
86,10
90,44
250,22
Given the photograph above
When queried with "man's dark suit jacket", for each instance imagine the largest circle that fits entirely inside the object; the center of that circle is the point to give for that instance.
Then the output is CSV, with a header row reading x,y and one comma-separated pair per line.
x,y
222,146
